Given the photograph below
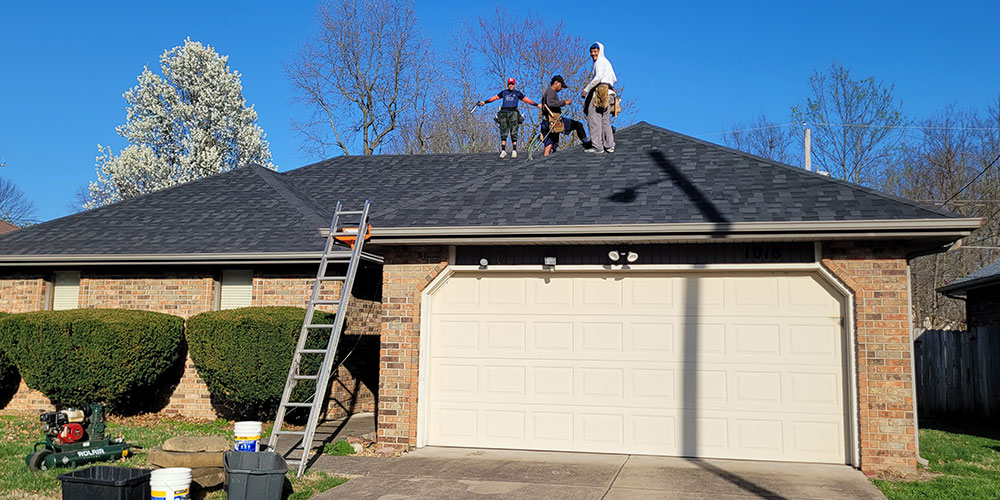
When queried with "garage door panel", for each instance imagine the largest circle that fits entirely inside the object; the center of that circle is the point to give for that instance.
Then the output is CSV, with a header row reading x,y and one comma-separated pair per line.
x,y
590,363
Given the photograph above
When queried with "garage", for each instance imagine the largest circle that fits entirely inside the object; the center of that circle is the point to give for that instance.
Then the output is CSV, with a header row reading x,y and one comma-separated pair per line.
x,y
746,365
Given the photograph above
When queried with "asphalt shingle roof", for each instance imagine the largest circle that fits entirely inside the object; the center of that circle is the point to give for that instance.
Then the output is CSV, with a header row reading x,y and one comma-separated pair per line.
x,y
655,176
987,275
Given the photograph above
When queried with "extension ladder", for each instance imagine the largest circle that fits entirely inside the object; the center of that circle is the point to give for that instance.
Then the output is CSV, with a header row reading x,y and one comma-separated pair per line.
x,y
334,252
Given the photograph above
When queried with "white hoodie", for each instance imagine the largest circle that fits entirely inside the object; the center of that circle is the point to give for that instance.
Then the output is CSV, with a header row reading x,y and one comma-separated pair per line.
x,y
603,72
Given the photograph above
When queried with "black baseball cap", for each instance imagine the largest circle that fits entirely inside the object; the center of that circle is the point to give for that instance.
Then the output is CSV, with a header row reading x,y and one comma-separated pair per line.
x,y
559,78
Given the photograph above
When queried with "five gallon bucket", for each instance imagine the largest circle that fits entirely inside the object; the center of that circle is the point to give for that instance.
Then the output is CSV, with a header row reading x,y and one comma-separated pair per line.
x,y
173,483
247,436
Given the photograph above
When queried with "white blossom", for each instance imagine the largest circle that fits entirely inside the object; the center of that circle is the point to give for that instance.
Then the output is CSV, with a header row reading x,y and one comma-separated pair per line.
x,y
189,123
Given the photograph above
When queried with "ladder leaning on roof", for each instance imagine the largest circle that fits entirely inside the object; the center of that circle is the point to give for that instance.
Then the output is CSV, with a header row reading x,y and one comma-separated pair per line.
x,y
338,236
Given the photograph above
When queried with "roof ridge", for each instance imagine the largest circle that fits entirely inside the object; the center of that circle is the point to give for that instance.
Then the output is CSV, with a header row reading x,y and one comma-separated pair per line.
x,y
801,171
302,202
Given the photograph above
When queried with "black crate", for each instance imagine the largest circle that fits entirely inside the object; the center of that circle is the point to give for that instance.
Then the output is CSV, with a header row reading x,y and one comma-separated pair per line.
x,y
254,476
106,483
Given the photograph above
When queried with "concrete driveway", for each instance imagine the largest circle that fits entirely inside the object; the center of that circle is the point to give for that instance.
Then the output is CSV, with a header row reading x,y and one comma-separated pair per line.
x,y
460,473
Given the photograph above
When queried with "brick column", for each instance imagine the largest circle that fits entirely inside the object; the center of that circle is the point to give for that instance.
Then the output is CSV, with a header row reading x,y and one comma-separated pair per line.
x,y
882,327
404,276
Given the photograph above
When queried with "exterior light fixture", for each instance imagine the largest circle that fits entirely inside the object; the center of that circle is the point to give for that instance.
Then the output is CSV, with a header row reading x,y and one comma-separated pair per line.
x,y
632,257
483,262
614,256
549,261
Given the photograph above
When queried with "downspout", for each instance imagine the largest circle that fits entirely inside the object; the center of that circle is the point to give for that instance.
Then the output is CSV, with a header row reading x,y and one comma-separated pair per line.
x,y
913,365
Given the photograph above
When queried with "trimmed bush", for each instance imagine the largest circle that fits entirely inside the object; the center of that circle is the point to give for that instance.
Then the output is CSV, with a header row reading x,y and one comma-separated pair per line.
x,y
8,371
243,355
81,356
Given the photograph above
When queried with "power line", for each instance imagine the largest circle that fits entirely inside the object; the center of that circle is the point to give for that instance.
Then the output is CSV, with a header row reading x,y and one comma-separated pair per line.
x,y
974,179
848,125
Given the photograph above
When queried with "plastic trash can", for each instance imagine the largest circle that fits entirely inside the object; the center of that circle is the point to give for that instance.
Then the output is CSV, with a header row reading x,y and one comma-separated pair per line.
x,y
105,482
254,475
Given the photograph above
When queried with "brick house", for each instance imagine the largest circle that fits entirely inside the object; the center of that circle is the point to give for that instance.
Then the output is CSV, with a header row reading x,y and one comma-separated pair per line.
x,y
6,227
981,292
673,298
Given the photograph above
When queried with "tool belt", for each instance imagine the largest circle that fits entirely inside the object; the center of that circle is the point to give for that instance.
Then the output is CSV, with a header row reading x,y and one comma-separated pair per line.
x,y
555,120
601,97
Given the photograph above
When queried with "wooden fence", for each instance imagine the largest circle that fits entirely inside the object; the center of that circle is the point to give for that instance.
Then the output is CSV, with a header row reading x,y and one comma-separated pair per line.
x,y
958,372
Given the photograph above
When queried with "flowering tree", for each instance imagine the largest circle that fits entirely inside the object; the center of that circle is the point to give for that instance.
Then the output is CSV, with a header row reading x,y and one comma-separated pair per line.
x,y
190,122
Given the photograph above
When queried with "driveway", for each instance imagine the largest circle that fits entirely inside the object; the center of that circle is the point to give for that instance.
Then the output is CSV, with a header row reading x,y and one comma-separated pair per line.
x,y
461,473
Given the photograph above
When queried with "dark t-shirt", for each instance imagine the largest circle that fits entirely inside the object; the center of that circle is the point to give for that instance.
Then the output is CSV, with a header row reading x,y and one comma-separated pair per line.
x,y
551,99
510,99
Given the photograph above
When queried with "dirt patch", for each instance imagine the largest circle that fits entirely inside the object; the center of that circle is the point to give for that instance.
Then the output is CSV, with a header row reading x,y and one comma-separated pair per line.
x,y
896,474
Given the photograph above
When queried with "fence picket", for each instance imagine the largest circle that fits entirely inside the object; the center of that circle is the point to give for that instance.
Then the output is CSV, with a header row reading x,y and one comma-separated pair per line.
x,y
955,371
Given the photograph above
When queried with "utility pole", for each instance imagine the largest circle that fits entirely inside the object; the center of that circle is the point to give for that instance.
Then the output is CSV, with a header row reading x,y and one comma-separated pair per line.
x,y
808,146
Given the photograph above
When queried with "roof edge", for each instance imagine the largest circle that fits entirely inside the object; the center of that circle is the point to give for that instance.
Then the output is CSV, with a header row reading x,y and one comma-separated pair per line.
x,y
788,227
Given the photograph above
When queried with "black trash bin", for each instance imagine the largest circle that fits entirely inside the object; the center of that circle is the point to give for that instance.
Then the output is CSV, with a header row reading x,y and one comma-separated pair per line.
x,y
254,476
105,482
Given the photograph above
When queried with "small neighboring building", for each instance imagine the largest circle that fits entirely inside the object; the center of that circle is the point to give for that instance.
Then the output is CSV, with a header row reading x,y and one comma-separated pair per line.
x,y
6,227
981,292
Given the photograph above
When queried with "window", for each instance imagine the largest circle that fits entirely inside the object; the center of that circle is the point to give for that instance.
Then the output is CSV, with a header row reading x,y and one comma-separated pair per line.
x,y
65,290
237,289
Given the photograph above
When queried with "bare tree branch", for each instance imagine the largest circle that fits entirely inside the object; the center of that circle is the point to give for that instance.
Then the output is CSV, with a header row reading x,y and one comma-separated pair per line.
x,y
15,207
358,74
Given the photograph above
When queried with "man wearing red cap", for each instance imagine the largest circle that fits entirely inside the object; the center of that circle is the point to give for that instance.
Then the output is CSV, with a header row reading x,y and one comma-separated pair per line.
x,y
508,117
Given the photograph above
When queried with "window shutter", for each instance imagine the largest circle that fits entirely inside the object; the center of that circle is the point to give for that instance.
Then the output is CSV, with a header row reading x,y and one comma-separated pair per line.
x,y
66,290
237,289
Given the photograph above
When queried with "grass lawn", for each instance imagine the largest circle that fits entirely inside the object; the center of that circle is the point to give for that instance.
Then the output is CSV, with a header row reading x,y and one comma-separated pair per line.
x,y
19,433
968,460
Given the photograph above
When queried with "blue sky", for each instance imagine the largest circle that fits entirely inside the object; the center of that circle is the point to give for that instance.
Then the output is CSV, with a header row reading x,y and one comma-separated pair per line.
x,y
695,67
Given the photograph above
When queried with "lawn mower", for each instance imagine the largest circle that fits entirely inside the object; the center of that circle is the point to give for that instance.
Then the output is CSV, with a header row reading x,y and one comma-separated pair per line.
x,y
74,437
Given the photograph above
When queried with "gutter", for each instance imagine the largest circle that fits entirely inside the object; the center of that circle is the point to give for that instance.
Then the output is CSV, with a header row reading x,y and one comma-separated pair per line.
x,y
737,231
178,259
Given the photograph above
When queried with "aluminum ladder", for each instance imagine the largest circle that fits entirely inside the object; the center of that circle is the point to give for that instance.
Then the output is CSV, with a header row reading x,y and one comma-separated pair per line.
x,y
335,251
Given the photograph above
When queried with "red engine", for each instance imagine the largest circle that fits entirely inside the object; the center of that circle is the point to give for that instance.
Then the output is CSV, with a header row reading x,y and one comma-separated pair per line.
x,y
71,433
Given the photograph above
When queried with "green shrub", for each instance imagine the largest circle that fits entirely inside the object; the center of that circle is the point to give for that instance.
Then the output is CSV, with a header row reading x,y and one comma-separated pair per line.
x,y
338,448
80,356
243,356
8,371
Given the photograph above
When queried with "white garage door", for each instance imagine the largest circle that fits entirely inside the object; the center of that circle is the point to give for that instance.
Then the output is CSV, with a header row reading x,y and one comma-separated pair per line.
x,y
736,366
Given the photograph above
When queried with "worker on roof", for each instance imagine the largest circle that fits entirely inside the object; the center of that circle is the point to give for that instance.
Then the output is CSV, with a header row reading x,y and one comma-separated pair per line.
x,y
599,96
508,117
553,123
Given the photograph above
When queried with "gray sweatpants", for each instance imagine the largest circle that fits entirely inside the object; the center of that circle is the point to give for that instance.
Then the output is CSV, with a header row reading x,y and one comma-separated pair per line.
x,y
601,134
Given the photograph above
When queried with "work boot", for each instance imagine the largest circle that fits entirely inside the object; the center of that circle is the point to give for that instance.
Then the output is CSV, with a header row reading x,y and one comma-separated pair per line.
x,y
503,153
513,153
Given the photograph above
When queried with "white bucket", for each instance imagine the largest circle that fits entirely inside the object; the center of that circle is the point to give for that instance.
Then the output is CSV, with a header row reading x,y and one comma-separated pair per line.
x,y
173,483
248,435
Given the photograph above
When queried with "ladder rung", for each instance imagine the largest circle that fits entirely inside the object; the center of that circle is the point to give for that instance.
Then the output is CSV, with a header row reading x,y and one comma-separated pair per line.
x,y
299,405
305,377
326,302
333,278
312,351
294,433
325,325
350,212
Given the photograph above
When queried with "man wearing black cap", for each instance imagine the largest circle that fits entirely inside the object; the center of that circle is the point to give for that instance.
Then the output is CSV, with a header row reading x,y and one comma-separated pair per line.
x,y
508,116
554,123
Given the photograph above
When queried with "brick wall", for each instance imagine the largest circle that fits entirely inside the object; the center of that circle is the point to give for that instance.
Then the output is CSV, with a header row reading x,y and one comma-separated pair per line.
x,y
404,276
982,308
23,293
188,292
885,382
354,388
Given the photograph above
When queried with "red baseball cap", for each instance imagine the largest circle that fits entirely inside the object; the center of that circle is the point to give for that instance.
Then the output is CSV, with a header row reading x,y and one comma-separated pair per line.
x,y
510,81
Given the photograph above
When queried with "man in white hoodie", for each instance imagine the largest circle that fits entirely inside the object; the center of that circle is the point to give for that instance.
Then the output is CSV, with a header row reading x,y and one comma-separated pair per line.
x,y
597,104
